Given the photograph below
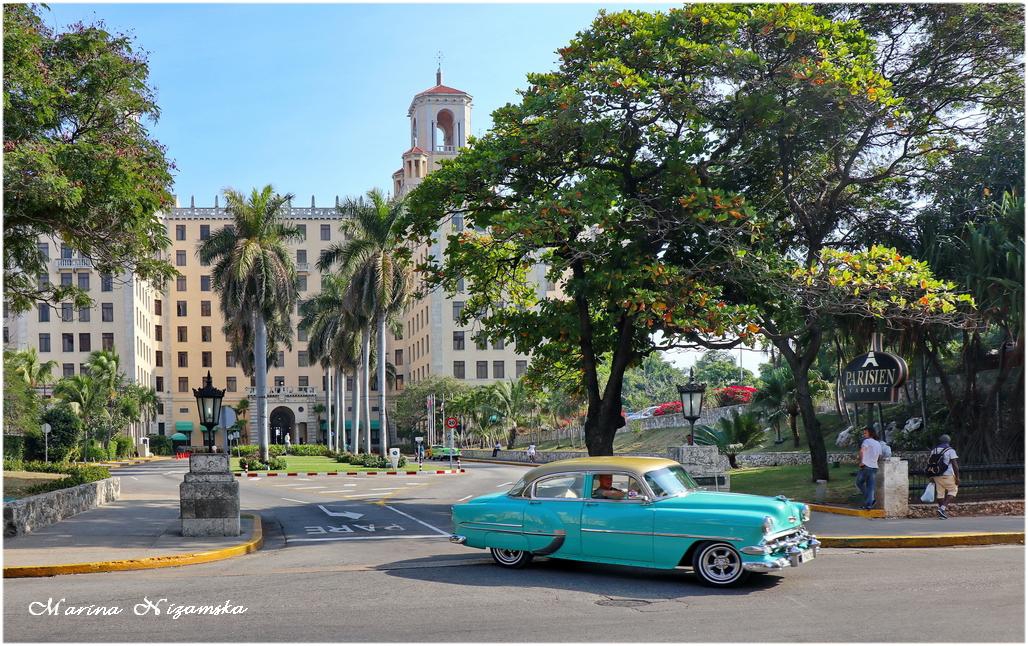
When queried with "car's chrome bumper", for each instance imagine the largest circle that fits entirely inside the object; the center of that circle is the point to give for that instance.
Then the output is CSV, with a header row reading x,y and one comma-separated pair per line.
x,y
458,539
781,552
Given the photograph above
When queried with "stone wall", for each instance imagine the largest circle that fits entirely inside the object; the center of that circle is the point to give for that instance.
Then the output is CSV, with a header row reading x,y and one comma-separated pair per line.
x,y
28,514
983,508
917,459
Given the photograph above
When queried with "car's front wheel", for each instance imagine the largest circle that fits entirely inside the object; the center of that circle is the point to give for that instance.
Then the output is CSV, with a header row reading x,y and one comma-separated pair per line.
x,y
718,565
511,558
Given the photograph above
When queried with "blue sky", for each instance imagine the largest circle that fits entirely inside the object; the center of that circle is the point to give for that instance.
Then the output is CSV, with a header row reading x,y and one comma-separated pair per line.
x,y
313,98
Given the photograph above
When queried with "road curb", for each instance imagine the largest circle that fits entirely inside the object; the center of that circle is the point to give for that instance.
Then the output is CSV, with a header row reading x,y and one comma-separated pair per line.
x,y
510,462
931,540
846,511
151,563
426,472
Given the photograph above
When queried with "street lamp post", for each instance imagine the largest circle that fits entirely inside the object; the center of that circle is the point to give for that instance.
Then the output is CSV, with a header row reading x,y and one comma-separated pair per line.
x,y
692,403
208,401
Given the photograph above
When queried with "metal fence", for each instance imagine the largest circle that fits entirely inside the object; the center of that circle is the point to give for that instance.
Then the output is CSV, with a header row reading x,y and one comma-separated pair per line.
x,y
976,481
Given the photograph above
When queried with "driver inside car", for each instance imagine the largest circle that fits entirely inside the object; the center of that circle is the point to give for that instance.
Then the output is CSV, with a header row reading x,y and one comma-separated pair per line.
x,y
603,487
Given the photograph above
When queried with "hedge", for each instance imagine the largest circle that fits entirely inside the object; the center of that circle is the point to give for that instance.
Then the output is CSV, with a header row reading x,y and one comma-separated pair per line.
x,y
77,474
14,447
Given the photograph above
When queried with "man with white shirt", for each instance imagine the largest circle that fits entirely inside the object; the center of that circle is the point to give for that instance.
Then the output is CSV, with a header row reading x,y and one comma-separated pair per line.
x,y
870,451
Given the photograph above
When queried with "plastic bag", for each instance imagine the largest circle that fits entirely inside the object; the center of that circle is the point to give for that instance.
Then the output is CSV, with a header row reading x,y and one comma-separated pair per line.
x,y
929,493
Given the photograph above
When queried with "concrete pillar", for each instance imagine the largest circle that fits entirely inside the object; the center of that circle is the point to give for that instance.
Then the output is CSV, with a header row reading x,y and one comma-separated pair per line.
x,y
892,487
209,497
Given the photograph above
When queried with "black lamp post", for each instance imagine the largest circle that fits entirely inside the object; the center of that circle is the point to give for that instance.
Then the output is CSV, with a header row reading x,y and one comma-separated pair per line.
x,y
692,402
208,400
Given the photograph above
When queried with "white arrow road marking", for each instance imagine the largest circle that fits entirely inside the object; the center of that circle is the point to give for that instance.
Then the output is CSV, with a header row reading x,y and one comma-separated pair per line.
x,y
504,484
418,521
358,538
415,484
134,477
293,484
343,514
337,491
303,488
302,502
464,498
385,489
363,495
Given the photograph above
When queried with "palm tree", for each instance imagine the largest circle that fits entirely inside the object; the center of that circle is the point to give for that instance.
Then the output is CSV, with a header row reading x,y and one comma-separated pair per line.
x,y
777,396
242,409
147,405
512,401
84,395
256,280
732,435
375,264
35,373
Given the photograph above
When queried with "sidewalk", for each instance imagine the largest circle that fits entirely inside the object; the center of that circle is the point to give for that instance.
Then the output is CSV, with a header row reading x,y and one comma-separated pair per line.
x,y
139,531
834,530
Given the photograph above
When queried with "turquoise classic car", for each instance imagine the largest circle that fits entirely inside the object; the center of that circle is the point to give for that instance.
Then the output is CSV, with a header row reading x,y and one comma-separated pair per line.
x,y
635,511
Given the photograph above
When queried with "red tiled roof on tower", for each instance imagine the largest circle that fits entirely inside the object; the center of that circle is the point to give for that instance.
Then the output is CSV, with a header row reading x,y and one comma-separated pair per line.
x,y
441,89
416,150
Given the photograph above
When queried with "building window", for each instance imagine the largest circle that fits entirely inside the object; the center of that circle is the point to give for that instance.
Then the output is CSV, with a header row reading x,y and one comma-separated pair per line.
x,y
183,384
84,281
205,308
460,285
180,284
497,370
44,251
303,230
160,408
301,282
67,342
68,370
84,314
480,342
159,384
183,359
398,357
301,256
520,368
399,382
180,232
205,360
67,312
458,369
157,307
458,223
107,341
205,283
301,359
304,381
180,258
66,280
44,312
498,344
458,340
65,252
301,334
205,334
106,283
85,342
280,360
326,232
160,428
180,308
280,382
482,369
159,358
158,333
458,306
107,312
44,342
230,360
230,384
183,334
42,281
205,231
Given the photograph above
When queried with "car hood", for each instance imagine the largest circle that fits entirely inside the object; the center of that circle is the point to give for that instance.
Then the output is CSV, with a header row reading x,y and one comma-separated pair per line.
x,y
785,513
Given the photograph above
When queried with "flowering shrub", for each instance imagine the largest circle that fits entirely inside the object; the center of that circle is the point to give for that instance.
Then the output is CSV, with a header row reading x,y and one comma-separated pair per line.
x,y
734,395
668,408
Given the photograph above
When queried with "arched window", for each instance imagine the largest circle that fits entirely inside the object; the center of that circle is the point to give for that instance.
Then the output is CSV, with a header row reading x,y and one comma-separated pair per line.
x,y
445,131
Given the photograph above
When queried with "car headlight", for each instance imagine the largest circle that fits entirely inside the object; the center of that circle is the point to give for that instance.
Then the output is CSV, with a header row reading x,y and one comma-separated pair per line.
x,y
769,524
805,512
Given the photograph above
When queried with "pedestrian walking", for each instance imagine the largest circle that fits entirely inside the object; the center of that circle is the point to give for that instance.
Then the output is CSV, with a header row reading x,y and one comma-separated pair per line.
x,y
531,452
870,451
945,473
496,449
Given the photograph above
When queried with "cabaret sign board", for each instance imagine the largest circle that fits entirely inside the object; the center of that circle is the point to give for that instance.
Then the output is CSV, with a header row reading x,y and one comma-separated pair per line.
x,y
874,377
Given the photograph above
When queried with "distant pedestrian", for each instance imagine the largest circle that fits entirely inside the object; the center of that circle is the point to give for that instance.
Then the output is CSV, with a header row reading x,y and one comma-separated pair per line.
x,y
288,444
945,473
870,451
531,452
496,449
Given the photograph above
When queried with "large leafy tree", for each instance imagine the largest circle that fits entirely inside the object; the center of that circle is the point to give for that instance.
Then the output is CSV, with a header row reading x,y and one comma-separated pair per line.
x,y
255,278
653,381
603,171
718,368
80,167
21,405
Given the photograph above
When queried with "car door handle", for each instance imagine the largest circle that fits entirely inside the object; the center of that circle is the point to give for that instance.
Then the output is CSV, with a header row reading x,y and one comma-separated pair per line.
x,y
591,504
534,502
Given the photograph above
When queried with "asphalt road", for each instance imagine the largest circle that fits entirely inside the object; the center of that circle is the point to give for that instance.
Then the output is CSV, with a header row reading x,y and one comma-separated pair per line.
x,y
366,559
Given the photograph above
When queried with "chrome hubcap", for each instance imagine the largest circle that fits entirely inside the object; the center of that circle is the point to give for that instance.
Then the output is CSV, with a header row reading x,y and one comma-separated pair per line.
x,y
507,556
720,563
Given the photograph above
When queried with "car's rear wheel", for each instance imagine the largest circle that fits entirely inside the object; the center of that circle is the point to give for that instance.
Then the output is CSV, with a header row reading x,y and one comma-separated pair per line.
x,y
718,565
511,558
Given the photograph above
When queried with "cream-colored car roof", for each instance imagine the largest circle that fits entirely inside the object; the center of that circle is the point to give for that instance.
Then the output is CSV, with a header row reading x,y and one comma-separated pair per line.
x,y
632,464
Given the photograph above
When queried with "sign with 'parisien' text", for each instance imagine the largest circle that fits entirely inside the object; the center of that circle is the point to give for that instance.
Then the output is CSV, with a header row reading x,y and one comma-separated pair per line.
x,y
874,377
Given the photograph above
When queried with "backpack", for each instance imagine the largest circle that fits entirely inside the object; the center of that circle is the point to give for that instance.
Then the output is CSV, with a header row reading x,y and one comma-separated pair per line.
x,y
936,464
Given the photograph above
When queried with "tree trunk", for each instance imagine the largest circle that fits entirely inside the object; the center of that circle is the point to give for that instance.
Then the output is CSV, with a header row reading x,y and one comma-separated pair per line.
x,y
512,436
795,430
329,405
260,376
340,397
800,366
366,379
356,424
383,435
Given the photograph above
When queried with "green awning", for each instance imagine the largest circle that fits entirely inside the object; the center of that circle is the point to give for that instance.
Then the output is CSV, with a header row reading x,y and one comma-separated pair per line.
x,y
374,424
179,437
184,427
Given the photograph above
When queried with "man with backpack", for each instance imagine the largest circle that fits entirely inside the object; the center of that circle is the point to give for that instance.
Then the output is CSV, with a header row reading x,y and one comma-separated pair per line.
x,y
944,472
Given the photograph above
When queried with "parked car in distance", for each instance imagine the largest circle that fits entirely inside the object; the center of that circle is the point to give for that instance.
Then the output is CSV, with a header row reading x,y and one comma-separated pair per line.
x,y
637,511
641,414
440,452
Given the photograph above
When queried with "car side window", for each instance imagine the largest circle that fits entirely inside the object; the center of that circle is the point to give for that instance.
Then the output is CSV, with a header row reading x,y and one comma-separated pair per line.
x,y
560,486
615,486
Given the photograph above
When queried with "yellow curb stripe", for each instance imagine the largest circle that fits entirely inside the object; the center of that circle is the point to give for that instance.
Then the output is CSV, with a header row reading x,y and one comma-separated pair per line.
x,y
846,511
510,462
151,563
933,540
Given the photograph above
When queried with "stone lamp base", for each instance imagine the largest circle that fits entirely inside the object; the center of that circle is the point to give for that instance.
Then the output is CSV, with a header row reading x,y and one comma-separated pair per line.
x,y
209,497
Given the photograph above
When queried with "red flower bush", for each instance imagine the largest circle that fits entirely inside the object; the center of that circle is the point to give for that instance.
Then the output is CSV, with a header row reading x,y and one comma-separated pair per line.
x,y
734,395
668,408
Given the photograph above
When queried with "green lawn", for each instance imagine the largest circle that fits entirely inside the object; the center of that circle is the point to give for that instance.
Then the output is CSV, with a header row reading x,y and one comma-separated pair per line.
x,y
794,482
304,464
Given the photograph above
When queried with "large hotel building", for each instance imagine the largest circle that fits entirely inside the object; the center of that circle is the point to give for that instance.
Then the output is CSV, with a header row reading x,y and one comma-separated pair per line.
x,y
169,340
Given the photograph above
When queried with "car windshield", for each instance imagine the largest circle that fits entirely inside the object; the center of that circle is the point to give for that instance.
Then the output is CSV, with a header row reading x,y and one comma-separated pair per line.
x,y
670,481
